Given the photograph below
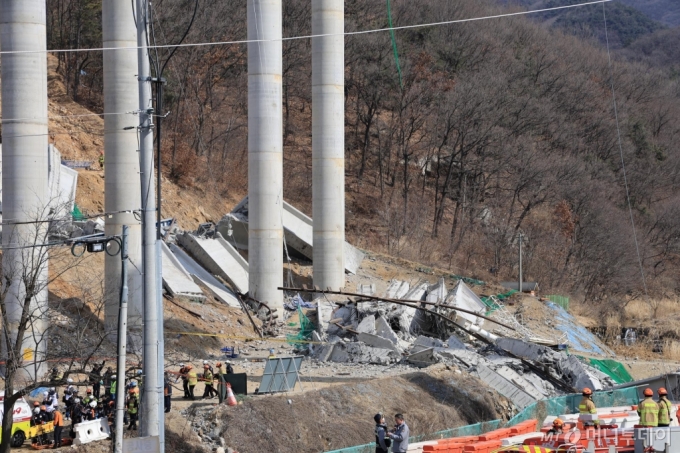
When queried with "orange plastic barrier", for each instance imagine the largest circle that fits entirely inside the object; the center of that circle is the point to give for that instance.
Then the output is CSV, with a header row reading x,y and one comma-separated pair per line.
x,y
526,427
482,447
446,447
459,440
496,434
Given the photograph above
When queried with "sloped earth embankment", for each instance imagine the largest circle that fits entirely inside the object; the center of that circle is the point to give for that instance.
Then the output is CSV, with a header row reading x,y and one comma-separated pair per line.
x,y
342,416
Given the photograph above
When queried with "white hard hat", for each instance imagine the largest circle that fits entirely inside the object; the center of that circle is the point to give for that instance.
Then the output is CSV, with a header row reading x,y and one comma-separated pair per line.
x,y
93,404
181,365
205,362
69,380
228,361
52,389
113,376
36,410
139,372
77,400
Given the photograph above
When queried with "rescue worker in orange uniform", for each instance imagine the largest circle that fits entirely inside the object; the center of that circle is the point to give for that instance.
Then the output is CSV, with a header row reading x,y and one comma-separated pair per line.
x,y
58,427
587,407
557,427
648,410
665,405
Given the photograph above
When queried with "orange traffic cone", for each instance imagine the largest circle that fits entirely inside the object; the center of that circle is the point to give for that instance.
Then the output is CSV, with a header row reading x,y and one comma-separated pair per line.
x,y
231,399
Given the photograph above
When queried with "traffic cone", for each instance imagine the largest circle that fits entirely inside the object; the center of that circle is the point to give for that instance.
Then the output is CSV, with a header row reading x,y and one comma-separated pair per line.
x,y
231,399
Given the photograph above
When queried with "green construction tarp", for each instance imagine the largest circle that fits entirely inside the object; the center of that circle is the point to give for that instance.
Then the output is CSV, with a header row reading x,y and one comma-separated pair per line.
x,y
306,329
468,430
562,301
615,370
569,404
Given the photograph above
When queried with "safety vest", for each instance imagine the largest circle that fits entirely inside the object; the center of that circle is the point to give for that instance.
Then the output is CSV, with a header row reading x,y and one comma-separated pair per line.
x,y
586,406
113,387
649,412
193,378
58,419
132,405
664,412
208,377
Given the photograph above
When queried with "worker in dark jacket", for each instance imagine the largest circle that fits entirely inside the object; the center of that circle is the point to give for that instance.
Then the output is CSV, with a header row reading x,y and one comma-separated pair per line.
x,y
399,435
382,443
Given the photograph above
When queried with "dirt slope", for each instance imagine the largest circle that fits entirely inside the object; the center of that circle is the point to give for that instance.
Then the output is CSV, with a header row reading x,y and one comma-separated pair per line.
x,y
342,416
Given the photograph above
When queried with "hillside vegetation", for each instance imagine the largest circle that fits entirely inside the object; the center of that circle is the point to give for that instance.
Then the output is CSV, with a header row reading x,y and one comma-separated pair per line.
x,y
494,128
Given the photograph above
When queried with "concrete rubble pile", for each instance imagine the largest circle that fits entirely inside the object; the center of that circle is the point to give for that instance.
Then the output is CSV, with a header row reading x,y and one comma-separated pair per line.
x,y
386,333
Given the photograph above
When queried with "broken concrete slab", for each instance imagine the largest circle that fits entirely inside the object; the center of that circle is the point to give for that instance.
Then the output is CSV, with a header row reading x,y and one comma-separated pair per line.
x,y
519,397
324,352
355,352
437,293
347,316
424,358
377,342
454,343
423,342
219,257
298,230
528,350
520,381
462,296
383,329
204,278
367,325
397,289
366,289
176,280
468,359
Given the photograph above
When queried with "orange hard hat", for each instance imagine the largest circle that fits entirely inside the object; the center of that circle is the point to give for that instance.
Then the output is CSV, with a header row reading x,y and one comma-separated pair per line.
x,y
206,366
132,390
648,392
219,364
36,404
190,367
587,391
662,391
89,390
558,422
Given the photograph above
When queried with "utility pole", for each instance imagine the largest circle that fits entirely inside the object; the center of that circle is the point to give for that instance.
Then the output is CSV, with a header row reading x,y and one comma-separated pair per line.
x,y
150,398
122,343
519,287
159,82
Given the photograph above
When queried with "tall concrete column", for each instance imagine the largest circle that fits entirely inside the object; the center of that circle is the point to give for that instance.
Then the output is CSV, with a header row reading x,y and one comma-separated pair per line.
x,y
25,169
328,143
265,152
121,166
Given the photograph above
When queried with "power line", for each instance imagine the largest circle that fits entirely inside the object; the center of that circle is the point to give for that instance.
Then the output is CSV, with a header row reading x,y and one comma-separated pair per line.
x,y
65,219
623,164
293,38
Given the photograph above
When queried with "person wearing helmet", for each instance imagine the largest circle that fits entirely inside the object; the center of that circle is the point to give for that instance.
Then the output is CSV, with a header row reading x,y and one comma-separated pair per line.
x,y
183,370
587,410
107,380
205,362
140,378
208,378
557,427
272,353
665,418
89,397
230,369
382,442
113,384
648,410
192,379
132,406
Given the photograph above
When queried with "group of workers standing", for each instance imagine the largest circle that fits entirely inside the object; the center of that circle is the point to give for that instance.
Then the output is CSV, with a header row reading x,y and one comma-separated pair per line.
x,y
190,378
652,413
397,437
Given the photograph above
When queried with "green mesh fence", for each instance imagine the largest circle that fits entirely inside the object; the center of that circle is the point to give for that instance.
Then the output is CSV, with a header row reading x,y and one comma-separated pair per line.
x,y
468,430
562,301
306,329
77,213
613,369
493,306
569,404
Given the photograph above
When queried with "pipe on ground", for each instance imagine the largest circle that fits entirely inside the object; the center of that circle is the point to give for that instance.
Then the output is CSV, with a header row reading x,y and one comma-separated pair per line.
x,y
328,143
265,152
25,173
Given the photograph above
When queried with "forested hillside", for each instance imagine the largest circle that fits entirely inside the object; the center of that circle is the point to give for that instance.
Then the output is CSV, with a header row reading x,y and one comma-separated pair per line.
x,y
489,129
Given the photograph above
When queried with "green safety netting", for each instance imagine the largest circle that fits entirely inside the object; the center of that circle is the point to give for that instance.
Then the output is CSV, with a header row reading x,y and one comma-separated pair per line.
x,y
493,306
306,329
569,404
468,430
76,213
562,301
468,280
612,368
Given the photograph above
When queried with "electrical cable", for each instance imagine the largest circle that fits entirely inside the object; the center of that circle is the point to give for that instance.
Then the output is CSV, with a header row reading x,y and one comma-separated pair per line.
x,y
623,164
293,38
